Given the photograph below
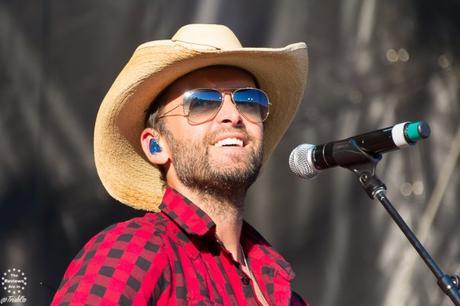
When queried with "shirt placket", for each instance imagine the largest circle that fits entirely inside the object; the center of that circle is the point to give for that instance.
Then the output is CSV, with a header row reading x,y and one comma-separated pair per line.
x,y
264,275
246,281
274,279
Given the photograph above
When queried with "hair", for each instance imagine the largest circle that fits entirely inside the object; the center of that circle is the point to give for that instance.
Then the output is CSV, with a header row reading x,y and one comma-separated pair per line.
x,y
151,113
153,121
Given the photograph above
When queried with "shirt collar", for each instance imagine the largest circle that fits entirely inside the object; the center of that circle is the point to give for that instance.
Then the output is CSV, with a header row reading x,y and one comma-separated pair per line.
x,y
187,215
195,221
258,249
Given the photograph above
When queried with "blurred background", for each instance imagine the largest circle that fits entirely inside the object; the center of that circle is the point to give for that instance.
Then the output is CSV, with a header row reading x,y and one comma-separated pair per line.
x,y
372,64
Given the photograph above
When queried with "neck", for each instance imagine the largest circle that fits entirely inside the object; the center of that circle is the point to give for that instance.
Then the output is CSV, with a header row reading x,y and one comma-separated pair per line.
x,y
225,212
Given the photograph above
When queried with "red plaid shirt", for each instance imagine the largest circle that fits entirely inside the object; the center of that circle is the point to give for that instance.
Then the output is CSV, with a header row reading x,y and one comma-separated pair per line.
x,y
173,258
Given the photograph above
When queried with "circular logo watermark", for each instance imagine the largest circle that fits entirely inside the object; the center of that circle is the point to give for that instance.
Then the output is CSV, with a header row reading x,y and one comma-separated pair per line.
x,y
14,282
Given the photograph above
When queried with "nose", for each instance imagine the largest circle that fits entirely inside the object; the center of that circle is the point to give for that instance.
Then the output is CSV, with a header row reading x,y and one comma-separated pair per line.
x,y
228,112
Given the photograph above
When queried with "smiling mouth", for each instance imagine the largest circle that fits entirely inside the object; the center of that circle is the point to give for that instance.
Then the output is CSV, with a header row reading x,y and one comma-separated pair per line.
x,y
229,142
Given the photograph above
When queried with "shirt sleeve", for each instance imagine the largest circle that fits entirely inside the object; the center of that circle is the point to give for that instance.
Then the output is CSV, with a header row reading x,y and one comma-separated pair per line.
x,y
296,300
122,265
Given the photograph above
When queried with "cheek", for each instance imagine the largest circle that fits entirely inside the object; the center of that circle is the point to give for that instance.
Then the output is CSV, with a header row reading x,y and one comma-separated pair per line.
x,y
187,133
258,132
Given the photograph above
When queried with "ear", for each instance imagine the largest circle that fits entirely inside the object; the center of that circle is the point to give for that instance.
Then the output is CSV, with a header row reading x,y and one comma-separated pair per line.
x,y
157,158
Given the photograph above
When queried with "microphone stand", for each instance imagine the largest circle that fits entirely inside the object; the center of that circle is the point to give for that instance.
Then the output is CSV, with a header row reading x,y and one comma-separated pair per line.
x,y
363,165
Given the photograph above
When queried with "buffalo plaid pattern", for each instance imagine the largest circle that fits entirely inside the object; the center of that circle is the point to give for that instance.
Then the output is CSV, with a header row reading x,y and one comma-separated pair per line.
x,y
173,258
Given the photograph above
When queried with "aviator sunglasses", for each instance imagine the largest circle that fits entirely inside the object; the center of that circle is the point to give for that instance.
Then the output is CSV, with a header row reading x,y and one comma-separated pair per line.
x,y
203,104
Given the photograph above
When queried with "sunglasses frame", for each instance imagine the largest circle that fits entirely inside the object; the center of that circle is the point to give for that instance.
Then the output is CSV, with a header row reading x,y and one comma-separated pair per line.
x,y
223,92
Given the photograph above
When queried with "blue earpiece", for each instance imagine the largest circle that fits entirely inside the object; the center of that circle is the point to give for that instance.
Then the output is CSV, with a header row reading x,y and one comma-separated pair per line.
x,y
154,147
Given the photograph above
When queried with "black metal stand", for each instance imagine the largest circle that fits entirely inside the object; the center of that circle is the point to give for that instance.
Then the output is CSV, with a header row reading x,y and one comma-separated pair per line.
x,y
375,188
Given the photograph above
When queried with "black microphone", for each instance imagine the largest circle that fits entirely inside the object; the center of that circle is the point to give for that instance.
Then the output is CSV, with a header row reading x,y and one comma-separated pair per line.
x,y
308,160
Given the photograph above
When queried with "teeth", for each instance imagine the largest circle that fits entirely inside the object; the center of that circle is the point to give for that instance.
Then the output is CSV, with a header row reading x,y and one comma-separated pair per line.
x,y
229,142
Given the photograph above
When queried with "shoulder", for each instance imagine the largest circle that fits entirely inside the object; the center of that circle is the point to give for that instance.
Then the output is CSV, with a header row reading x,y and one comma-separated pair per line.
x,y
252,234
143,232
140,236
115,263
296,300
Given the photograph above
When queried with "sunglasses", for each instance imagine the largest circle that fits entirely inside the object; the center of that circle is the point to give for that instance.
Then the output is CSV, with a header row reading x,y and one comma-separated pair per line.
x,y
203,104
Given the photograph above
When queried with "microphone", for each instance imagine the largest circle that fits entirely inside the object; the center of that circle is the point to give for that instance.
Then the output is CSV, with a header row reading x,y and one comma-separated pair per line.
x,y
307,160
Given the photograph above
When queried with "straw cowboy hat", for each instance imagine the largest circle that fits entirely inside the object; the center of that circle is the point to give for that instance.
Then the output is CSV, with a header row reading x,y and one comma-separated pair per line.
x,y
120,161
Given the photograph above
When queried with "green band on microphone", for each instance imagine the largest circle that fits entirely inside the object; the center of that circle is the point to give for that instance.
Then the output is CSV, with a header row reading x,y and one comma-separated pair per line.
x,y
415,131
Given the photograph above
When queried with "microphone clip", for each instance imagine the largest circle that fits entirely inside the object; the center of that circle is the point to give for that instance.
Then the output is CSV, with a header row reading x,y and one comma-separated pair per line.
x,y
363,165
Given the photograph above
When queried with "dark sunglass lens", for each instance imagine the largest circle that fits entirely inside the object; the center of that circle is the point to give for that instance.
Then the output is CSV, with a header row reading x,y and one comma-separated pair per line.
x,y
252,103
202,104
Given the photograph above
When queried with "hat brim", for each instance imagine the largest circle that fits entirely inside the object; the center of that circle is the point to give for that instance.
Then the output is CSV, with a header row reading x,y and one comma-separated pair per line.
x,y
120,161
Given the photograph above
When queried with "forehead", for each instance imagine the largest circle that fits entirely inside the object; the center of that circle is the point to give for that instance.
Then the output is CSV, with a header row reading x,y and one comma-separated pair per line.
x,y
213,77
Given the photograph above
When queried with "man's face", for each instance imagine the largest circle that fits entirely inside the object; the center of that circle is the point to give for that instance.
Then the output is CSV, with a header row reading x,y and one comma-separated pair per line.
x,y
200,155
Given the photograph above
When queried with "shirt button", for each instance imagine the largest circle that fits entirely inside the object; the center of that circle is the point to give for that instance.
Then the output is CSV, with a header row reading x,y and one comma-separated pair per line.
x,y
245,280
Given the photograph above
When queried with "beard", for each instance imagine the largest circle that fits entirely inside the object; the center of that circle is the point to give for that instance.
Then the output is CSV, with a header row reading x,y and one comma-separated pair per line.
x,y
195,169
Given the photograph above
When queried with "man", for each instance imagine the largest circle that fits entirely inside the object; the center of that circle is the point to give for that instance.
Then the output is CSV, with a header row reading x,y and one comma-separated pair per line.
x,y
195,149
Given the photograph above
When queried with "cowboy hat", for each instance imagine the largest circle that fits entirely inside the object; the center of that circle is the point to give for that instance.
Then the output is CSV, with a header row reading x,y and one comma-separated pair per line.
x,y
120,161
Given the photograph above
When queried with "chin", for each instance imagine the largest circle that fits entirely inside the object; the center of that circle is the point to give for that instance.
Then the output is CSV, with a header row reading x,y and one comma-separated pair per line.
x,y
231,162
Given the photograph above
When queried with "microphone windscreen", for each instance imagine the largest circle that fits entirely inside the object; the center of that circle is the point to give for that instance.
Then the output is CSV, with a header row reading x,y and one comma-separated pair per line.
x,y
301,163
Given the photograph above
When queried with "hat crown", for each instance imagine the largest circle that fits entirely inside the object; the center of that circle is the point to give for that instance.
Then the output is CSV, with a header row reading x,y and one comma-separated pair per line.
x,y
207,36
